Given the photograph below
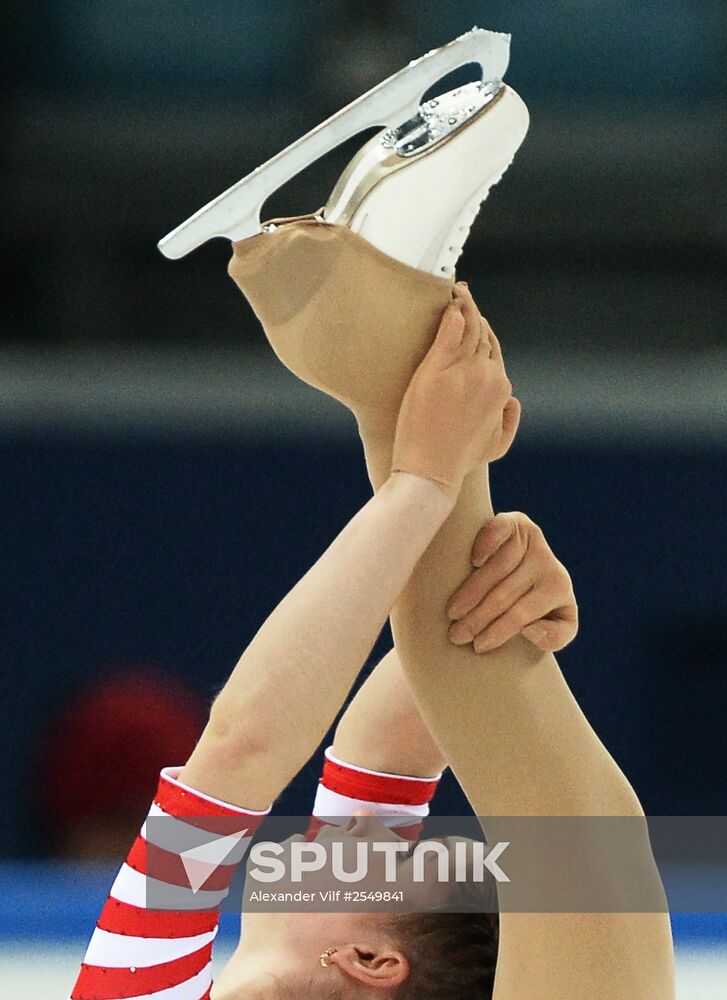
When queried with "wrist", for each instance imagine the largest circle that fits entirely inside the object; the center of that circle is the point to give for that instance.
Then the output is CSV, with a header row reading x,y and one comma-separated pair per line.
x,y
429,496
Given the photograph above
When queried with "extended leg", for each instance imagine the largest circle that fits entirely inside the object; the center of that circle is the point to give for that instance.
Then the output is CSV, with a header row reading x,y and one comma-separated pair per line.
x,y
519,744
354,323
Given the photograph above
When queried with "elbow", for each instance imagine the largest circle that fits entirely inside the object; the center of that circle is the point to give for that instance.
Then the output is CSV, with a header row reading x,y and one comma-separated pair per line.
x,y
249,740
235,734
231,761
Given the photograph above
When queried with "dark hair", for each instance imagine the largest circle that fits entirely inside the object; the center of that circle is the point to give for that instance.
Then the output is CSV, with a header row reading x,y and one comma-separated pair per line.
x,y
452,955
293,989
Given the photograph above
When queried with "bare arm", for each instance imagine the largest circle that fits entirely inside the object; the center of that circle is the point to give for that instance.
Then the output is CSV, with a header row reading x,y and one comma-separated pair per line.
x,y
295,674
382,728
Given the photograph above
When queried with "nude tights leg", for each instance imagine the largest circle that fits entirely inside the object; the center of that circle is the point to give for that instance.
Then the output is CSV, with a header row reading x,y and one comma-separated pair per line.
x,y
353,322
519,745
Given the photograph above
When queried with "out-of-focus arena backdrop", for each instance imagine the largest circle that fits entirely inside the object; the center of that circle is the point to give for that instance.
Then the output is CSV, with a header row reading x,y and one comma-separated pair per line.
x,y
165,481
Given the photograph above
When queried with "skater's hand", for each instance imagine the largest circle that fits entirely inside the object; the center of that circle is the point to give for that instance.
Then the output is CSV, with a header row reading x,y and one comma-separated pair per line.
x,y
519,587
458,411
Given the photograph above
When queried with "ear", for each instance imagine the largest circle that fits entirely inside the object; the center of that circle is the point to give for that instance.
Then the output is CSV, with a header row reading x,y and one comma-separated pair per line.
x,y
375,966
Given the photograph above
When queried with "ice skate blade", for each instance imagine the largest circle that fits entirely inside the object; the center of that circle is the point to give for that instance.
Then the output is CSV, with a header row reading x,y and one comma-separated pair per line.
x,y
235,214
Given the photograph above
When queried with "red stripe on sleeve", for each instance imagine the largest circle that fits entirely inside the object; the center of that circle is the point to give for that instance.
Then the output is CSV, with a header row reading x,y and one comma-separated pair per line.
x,y
135,921
105,983
165,866
384,788
185,803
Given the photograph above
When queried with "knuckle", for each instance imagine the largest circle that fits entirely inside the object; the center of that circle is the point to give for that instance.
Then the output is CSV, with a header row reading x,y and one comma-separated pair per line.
x,y
562,581
522,538
551,580
524,522
535,530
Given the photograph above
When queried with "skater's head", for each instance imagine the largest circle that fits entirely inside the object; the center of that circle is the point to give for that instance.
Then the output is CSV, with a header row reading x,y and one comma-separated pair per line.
x,y
428,956
350,954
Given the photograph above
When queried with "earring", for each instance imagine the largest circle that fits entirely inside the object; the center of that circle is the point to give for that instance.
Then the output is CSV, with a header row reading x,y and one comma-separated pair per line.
x,y
326,955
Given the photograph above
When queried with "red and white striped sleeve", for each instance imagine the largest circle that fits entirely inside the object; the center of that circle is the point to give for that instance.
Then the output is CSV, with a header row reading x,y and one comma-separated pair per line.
x,y
165,953
400,800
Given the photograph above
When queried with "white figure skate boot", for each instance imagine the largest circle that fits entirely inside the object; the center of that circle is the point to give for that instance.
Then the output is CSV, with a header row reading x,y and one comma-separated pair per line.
x,y
414,189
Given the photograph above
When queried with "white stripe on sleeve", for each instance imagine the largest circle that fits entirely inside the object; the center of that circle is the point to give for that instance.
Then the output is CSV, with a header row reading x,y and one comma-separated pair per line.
x,y
122,951
332,804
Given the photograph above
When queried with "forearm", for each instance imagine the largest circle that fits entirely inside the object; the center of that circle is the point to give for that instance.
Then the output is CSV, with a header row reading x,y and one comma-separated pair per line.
x,y
294,676
382,728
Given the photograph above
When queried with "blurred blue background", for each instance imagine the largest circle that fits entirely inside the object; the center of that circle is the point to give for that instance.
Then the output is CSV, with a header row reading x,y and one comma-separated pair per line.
x,y
164,484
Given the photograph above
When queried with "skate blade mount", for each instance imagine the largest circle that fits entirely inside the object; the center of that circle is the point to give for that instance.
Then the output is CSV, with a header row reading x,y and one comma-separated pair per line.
x,y
235,214
393,148
438,118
